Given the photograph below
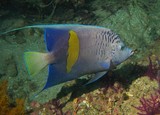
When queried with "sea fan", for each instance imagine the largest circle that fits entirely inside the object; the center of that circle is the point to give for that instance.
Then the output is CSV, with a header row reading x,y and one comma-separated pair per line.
x,y
150,106
151,70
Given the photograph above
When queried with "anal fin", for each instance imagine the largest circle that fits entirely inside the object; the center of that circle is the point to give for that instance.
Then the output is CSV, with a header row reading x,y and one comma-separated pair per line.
x,y
55,76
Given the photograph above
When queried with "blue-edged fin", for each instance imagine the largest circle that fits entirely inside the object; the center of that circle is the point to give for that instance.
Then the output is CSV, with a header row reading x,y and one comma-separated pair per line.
x,y
35,61
56,39
73,50
55,76
25,27
52,26
96,77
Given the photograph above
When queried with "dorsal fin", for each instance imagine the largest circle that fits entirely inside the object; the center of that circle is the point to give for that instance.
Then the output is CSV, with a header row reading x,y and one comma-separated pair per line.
x,y
42,26
55,38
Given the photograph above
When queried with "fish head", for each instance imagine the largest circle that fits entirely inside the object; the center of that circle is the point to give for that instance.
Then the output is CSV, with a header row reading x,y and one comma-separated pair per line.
x,y
120,52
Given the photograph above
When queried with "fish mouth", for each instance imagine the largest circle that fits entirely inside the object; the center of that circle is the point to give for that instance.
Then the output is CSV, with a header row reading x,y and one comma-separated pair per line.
x,y
134,51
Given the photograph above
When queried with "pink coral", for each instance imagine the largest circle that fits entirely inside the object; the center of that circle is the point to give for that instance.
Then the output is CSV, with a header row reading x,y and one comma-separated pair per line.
x,y
153,70
51,107
150,106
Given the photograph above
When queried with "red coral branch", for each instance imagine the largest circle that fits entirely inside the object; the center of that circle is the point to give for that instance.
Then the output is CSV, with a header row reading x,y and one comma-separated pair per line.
x,y
151,70
150,106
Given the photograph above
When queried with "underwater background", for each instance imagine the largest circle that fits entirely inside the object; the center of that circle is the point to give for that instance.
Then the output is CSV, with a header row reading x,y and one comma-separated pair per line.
x,y
130,89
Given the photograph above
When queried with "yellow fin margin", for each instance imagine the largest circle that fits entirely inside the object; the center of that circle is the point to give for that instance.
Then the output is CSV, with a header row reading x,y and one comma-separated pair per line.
x,y
73,50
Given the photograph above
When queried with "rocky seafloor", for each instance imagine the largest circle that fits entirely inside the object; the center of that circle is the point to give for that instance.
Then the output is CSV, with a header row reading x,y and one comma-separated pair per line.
x,y
130,89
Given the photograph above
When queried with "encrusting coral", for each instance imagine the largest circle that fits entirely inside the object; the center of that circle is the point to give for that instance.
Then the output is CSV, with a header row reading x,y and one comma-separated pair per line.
x,y
6,107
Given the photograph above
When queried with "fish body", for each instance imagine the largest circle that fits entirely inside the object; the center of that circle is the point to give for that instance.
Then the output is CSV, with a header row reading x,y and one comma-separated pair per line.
x,y
76,50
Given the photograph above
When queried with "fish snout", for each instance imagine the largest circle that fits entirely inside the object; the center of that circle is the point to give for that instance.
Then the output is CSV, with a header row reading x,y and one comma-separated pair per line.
x,y
134,51
130,52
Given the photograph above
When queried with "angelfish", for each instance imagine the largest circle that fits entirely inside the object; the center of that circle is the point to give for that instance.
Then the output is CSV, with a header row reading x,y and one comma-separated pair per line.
x,y
76,50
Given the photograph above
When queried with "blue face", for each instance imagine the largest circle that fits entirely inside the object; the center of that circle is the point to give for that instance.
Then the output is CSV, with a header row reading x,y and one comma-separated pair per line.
x,y
120,53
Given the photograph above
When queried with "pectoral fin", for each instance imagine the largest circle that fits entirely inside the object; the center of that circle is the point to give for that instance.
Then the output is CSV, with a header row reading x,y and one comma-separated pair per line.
x,y
96,77
107,64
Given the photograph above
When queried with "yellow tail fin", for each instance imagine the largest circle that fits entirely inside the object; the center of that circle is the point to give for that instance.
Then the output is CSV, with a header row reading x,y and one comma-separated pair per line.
x,y
35,61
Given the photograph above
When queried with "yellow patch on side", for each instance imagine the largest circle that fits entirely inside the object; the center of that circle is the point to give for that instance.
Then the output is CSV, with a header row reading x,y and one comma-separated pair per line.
x,y
73,50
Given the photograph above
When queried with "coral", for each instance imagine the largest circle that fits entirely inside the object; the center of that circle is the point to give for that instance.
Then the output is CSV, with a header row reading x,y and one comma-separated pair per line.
x,y
7,108
105,100
153,70
3,97
150,106
86,104
51,107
